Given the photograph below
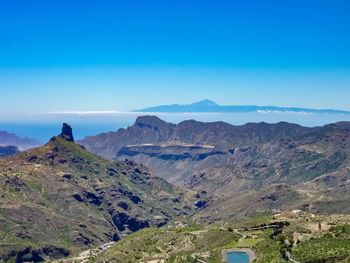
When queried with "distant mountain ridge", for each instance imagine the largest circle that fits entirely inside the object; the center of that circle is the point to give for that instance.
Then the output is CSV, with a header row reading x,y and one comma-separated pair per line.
x,y
208,106
10,139
151,129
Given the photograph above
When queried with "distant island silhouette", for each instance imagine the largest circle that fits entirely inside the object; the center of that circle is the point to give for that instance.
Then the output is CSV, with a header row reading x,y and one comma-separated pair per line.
x,y
211,106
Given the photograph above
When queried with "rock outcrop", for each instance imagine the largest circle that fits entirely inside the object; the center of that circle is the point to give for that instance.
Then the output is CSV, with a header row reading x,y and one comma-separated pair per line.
x,y
67,133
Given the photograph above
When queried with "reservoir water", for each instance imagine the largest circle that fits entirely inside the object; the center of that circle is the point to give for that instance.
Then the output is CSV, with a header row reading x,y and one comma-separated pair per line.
x,y
237,257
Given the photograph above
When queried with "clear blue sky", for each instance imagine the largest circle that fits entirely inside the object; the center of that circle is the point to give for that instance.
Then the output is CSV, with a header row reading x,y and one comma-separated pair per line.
x,y
122,55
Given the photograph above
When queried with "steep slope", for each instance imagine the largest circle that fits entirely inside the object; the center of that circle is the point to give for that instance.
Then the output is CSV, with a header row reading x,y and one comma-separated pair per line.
x,y
10,139
231,168
60,198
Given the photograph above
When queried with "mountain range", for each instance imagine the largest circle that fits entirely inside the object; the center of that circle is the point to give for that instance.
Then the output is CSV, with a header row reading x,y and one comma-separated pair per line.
x,y
238,170
65,196
208,106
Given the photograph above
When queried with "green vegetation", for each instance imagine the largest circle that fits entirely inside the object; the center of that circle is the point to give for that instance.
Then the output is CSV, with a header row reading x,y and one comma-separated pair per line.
x,y
248,243
177,245
333,246
269,251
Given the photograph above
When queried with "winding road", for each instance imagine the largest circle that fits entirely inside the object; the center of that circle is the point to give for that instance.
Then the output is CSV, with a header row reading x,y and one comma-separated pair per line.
x,y
85,256
290,258
243,236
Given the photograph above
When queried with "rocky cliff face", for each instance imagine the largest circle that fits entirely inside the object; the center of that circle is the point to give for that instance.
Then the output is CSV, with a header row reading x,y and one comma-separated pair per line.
x,y
146,129
62,198
223,163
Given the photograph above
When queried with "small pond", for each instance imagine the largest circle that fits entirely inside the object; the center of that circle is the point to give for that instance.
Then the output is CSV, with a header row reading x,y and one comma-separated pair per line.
x,y
237,257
